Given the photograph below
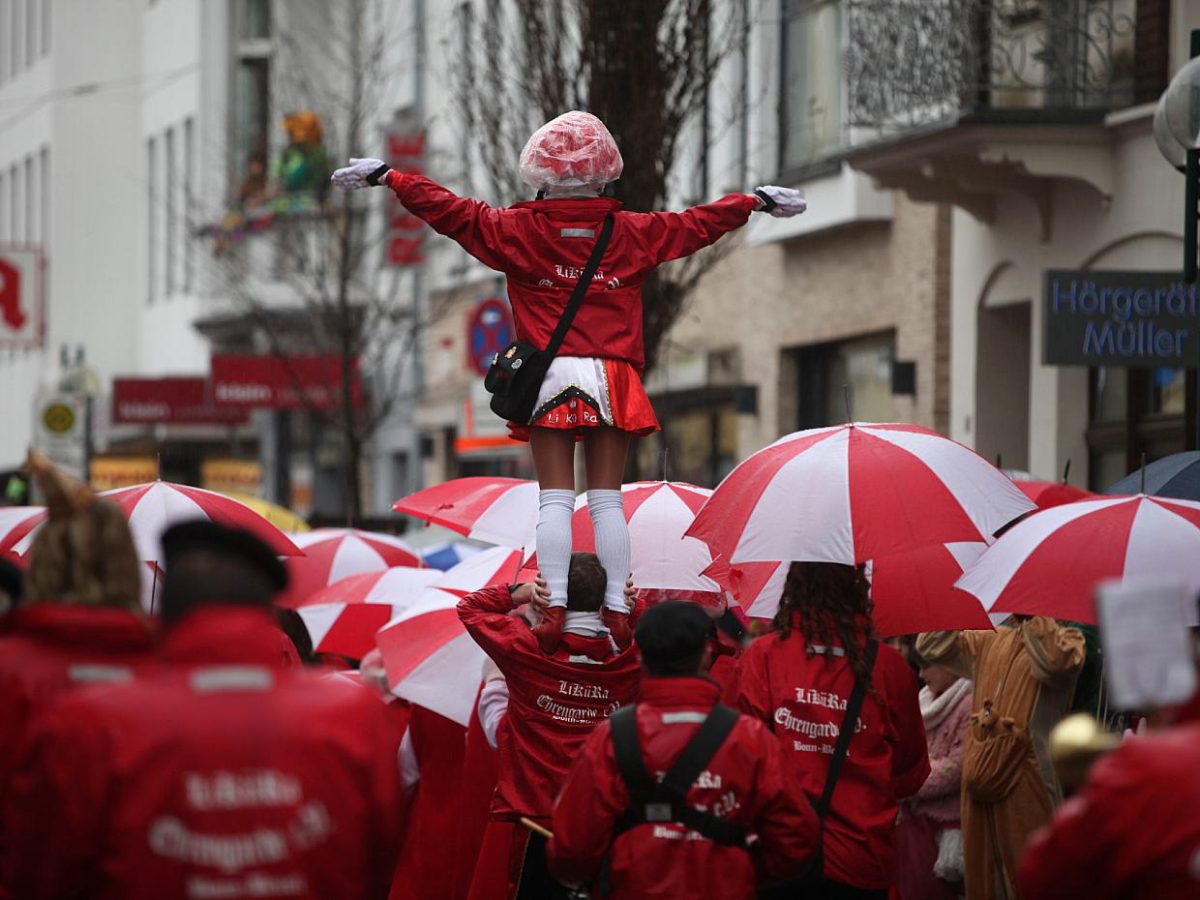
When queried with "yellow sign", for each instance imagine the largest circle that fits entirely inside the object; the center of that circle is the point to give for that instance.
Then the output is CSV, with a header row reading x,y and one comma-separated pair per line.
x,y
109,472
241,476
58,418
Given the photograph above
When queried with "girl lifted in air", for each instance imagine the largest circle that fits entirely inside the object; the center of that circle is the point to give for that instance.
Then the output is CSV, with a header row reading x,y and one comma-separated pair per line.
x,y
593,390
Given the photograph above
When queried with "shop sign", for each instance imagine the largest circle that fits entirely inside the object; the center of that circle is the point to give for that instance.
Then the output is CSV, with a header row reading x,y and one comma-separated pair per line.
x,y
489,331
111,472
22,309
232,476
273,382
1129,319
61,431
177,401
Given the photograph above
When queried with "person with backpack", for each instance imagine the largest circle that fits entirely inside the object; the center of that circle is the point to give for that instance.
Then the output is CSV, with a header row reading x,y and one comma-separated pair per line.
x,y
678,795
845,710
576,263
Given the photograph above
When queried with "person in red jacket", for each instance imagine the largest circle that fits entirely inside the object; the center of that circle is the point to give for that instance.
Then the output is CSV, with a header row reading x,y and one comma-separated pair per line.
x,y
742,783
799,680
593,389
1131,832
225,774
554,703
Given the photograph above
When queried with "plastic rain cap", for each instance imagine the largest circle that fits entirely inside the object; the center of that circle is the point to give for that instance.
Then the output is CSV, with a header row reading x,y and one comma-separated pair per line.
x,y
572,151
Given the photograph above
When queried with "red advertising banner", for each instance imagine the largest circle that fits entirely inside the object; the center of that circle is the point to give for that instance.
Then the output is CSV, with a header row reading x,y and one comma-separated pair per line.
x,y
22,302
179,401
405,232
272,382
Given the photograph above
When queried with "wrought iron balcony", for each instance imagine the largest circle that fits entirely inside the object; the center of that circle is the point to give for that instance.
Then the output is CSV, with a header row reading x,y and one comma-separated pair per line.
x,y
913,64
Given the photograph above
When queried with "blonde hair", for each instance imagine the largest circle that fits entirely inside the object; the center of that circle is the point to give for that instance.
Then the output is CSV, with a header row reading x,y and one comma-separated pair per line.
x,y
83,553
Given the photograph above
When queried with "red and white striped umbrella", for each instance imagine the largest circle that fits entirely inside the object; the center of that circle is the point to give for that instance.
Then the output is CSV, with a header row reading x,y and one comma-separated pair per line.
x,y
154,507
344,617
331,554
910,592
661,556
1050,563
430,659
500,511
1052,493
16,522
856,492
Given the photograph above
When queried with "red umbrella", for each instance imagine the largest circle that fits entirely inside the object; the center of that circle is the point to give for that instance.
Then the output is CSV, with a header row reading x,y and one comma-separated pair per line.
x,y
15,523
1052,493
1050,563
154,507
500,511
661,556
853,493
911,592
331,554
344,617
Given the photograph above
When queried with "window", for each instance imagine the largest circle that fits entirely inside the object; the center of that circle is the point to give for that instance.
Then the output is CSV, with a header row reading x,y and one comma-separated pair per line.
x,y
170,192
810,107
3,206
189,192
4,24
253,111
31,228
15,230
151,220
31,23
15,39
856,372
1134,412
46,12
255,20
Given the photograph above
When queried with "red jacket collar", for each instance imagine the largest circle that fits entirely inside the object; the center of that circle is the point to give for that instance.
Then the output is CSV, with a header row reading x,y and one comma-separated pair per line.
x,y
228,634
694,690
597,648
94,627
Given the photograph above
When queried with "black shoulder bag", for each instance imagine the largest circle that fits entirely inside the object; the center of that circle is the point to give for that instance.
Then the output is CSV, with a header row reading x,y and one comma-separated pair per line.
x,y
815,870
516,374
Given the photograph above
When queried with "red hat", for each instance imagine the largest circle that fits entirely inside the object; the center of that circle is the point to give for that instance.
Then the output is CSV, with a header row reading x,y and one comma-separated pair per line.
x,y
573,150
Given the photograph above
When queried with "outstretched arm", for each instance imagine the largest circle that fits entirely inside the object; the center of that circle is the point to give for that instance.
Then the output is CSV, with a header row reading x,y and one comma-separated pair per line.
x,y
472,224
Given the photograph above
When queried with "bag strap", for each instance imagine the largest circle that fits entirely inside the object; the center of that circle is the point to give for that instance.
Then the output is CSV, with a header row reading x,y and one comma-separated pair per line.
x,y
845,733
699,751
581,287
627,747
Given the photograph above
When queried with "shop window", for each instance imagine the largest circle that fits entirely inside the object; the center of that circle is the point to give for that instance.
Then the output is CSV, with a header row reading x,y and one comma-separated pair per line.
x,y
810,107
856,372
1135,413
252,87
698,443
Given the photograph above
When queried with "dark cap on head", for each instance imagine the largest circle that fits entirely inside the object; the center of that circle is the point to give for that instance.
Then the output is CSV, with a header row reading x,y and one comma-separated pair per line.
x,y
672,637
230,543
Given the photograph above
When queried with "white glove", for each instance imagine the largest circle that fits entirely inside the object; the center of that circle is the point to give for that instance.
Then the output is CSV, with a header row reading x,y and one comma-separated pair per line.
x,y
356,175
781,202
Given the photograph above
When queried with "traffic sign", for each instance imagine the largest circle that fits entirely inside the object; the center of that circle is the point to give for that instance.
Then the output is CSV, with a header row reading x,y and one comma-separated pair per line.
x,y
489,331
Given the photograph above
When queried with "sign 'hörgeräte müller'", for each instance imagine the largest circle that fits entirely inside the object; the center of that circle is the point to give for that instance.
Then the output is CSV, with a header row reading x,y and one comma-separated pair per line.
x,y
1131,319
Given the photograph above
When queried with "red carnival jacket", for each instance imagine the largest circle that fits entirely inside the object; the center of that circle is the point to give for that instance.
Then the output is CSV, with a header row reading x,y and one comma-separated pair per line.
x,y
745,782
802,697
554,701
1132,831
224,775
543,245
53,647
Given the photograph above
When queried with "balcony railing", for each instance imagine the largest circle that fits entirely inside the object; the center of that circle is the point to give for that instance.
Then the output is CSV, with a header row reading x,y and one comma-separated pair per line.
x,y
917,63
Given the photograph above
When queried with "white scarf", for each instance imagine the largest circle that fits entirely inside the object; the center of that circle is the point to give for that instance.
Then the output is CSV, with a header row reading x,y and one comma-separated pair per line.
x,y
935,709
584,624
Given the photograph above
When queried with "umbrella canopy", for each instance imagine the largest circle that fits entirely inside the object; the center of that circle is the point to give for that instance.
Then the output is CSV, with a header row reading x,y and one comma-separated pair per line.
x,y
1052,493
16,522
1176,476
659,514
430,659
500,511
856,492
279,516
911,592
154,507
331,554
449,554
344,617
1049,564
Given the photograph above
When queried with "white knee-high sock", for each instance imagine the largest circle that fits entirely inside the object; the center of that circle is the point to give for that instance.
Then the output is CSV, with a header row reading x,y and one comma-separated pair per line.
x,y
612,544
554,541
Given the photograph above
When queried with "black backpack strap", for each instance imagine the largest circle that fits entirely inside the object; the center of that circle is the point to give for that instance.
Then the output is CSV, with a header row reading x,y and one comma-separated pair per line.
x,y
699,751
581,288
627,747
845,733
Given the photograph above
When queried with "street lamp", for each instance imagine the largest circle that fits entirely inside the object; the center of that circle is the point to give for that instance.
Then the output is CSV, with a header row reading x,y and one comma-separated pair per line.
x,y
1177,133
